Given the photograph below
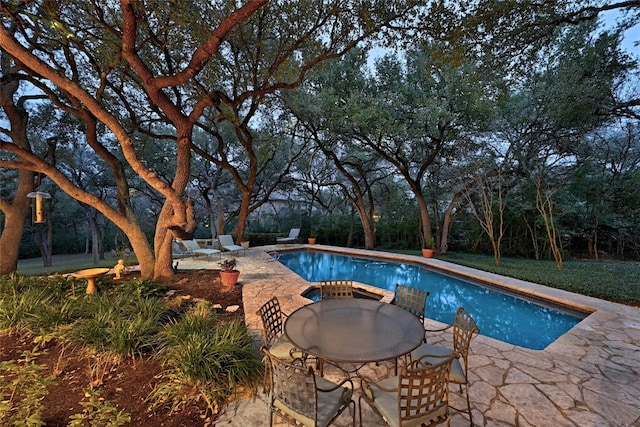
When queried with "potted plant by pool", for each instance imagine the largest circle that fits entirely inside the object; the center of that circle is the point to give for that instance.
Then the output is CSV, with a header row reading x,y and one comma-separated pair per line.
x,y
428,249
229,274
313,235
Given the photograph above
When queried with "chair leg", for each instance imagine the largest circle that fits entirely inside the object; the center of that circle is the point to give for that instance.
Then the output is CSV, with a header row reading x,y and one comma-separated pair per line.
x,y
320,366
352,409
465,394
468,403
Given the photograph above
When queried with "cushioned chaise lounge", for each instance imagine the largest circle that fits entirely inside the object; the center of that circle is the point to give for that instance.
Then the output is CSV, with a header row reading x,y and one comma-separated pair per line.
x,y
291,238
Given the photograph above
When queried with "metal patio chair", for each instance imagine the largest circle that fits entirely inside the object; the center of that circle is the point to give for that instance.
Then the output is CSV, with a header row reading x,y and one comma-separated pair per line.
x,y
336,289
300,397
419,396
275,341
412,299
464,329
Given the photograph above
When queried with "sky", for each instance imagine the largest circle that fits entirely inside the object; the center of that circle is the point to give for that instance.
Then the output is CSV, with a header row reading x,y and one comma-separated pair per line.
x,y
631,41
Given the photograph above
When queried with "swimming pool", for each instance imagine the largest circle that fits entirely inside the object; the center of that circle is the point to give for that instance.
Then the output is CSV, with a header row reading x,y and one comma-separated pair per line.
x,y
525,323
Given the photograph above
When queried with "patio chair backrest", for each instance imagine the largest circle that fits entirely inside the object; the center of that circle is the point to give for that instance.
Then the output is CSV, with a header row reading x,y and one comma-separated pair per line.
x,y
294,386
226,240
424,392
464,328
191,245
412,299
272,320
294,233
336,289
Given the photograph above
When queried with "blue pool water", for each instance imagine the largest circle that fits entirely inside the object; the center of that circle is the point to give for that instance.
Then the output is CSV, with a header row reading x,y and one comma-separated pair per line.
x,y
498,315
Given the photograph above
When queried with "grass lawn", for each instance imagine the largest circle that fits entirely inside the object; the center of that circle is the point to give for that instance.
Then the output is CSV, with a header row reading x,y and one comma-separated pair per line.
x,y
616,281
611,280
68,264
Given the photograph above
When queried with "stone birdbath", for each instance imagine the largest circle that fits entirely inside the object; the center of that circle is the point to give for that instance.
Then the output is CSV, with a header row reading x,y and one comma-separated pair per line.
x,y
91,274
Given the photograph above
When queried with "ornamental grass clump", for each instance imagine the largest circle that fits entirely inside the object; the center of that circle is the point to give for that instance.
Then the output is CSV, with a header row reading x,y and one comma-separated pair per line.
x,y
30,305
126,325
210,358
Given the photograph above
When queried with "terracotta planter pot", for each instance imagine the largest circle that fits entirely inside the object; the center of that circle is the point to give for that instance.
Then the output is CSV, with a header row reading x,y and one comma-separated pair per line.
x,y
312,240
245,244
229,278
427,253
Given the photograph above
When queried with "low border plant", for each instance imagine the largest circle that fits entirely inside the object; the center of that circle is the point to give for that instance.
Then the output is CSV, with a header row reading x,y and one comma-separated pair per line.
x,y
22,387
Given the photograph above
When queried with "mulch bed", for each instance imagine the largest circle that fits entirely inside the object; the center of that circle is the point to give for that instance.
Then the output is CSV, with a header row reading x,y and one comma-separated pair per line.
x,y
125,384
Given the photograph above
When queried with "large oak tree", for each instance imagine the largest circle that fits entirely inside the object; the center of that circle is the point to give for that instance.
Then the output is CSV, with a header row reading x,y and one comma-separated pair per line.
x,y
133,65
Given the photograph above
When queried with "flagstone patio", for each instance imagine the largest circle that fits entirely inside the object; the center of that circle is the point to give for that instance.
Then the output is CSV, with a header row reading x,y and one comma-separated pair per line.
x,y
590,376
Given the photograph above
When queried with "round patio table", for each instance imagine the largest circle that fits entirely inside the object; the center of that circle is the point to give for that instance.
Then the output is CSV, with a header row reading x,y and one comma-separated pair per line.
x,y
354,330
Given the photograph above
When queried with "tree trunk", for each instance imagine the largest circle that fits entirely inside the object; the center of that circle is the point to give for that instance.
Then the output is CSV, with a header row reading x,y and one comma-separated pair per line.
x,y
369,235
94,233
424,217
15,207
448,220
243,214
166,229
15,215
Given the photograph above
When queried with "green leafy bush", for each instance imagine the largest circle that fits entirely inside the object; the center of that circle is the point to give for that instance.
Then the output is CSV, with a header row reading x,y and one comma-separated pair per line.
x,y
210,357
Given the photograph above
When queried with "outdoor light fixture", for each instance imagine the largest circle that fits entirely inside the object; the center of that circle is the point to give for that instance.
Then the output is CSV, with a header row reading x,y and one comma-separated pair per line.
x,y
38,211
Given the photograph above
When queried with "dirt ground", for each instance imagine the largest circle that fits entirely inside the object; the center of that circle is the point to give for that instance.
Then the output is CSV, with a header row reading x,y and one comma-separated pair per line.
x,y
125,384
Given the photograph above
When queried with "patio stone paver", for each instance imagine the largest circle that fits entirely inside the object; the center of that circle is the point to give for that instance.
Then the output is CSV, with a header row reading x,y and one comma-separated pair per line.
x,y
588,377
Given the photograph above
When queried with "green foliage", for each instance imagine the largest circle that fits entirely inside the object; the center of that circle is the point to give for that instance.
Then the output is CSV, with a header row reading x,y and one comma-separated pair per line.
x,y
124,324
430,244
31,304
177,392
98,412
22,387
208,356
137,287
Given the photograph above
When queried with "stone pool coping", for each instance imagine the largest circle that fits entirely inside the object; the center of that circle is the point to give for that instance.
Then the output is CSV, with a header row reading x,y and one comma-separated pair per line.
x,y
588,376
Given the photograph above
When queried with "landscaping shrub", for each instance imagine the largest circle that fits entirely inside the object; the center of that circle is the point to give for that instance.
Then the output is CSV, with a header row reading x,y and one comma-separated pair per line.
x,y
125,325
209,357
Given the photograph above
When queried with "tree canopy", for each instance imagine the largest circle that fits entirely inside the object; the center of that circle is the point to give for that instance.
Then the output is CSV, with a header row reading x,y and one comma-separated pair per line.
x,y
148,112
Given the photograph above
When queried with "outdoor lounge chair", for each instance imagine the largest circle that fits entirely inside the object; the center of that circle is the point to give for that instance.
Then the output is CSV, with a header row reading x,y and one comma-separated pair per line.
x,y
193,248
419,396
336,289
300,397
226,243
464,329
291,238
